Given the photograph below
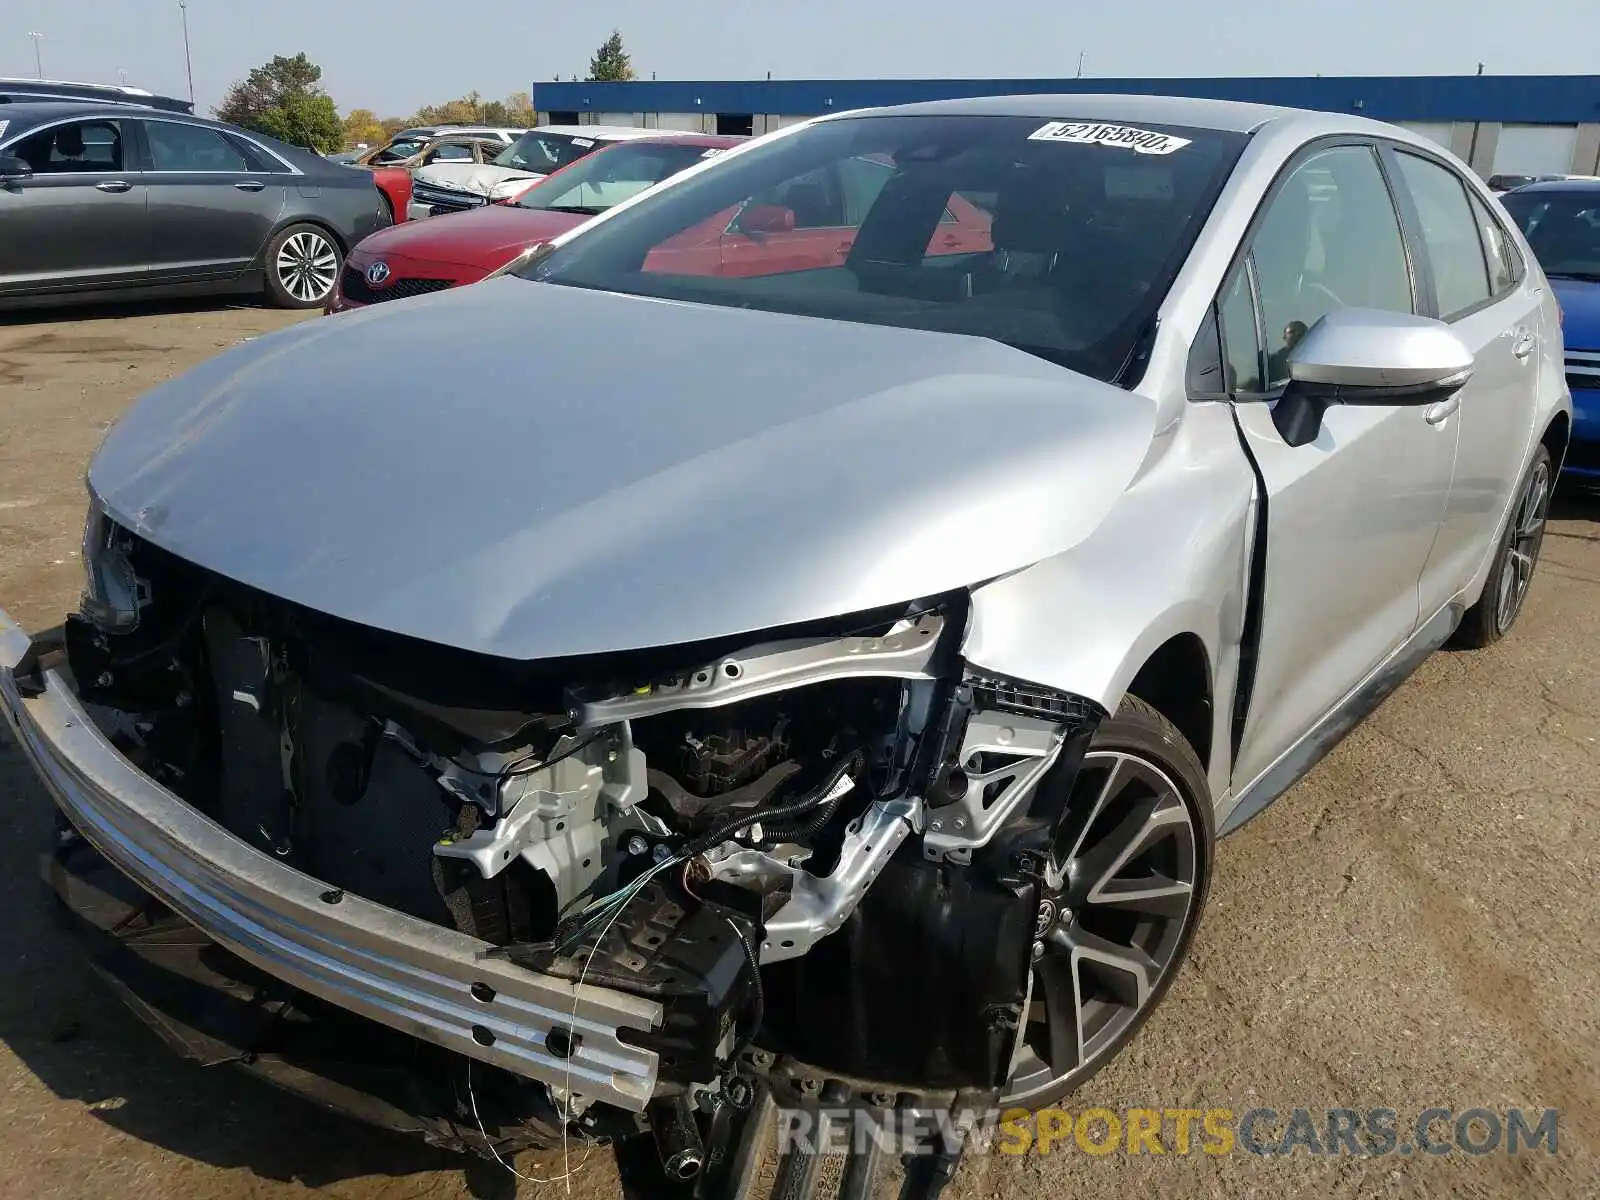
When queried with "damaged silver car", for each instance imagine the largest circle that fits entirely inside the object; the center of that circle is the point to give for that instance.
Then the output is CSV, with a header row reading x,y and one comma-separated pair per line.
x,y
814,665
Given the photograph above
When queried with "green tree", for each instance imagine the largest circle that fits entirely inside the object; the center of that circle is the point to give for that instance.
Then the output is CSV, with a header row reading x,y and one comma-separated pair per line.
x,y
611,63
468,110
361,126
283,98
515,111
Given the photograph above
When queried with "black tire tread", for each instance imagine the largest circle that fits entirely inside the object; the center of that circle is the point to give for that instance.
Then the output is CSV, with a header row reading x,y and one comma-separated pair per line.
x,y
1478,628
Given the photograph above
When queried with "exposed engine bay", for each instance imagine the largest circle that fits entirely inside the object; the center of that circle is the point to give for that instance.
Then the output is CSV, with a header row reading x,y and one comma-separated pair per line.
x,y
819,849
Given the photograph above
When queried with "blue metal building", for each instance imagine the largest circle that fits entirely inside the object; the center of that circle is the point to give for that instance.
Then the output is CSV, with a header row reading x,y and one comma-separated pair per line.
x,y
1531,123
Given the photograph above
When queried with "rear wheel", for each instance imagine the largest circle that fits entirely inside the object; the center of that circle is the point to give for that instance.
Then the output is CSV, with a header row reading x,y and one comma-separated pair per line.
x,y
303,263
1132,865
1496,611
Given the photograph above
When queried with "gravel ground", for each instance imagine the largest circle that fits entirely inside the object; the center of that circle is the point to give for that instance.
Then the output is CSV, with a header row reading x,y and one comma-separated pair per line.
x,y
1413,925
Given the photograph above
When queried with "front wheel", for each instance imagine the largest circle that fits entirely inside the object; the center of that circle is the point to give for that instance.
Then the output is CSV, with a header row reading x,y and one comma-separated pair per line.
x,y
303,263
1133,861
1496,611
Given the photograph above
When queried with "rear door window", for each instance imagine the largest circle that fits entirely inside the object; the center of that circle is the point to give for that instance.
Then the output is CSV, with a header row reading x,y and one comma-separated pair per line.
x,y
1450,232
1505,263
188,148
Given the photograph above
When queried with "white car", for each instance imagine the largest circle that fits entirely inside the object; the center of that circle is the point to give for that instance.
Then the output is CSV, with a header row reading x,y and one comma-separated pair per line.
x,y
457,187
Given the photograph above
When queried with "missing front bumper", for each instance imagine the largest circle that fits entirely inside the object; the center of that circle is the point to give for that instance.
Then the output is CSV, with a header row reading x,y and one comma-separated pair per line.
x,y
414,977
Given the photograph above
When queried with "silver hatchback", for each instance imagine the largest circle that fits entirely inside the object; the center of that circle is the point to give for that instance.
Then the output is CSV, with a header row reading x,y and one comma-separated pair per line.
x,y
808,629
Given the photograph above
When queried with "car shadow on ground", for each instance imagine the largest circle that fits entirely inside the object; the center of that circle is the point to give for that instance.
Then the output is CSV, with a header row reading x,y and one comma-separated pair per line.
x,y
72,313
80,1042
1576,502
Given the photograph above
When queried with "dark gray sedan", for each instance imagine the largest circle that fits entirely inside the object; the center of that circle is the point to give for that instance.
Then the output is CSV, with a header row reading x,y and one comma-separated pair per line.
x,y
109,201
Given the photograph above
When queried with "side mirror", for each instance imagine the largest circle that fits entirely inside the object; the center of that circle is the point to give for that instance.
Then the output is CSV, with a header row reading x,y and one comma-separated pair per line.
x,y
14,170
760,219
1368,356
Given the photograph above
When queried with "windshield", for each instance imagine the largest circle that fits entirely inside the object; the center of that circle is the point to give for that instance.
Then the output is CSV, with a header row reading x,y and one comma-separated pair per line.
x,y
544,152
1563,228
1060,238
598,181
399,150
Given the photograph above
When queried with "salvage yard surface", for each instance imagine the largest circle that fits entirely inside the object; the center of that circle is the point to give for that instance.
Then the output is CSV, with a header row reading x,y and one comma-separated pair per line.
x,y
1413,926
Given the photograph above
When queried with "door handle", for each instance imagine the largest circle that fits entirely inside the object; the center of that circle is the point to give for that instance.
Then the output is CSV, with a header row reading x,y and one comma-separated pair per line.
x,y
1442,411
249,185
114,185
1525,345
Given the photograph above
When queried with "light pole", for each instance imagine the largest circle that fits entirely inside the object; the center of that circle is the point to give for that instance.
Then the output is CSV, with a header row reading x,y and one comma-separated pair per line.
x,y
183,10
38,60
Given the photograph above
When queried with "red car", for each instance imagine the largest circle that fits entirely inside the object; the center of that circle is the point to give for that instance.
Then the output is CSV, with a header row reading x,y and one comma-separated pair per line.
x,y
444,251
810,224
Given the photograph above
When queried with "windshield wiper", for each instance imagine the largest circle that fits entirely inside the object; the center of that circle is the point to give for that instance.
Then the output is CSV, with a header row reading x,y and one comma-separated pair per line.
x,y
1580,276
581,210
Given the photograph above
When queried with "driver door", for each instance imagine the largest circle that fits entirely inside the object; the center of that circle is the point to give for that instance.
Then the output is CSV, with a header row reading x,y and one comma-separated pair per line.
x,y
1351,517
81,220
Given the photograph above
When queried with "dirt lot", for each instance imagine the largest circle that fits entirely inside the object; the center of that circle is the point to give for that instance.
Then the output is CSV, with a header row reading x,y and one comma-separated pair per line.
x,y
1414,925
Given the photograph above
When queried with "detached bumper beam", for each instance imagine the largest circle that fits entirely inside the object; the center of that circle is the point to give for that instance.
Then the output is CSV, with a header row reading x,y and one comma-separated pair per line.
x,y
415,977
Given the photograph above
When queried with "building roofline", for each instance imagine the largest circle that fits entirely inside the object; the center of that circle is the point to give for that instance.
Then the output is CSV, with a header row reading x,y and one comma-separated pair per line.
x,y
1531,99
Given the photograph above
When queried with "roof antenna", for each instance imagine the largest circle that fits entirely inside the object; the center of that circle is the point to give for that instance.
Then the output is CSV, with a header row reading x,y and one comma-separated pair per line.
x,y
1480,68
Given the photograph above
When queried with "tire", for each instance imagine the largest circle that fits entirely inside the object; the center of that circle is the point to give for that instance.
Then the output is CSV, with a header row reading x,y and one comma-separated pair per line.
x,y
1142,746
1511,574
302,265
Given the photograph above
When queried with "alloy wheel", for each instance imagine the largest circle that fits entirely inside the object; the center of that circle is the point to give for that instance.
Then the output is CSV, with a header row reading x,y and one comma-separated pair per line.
x,y
307,265
1522,553
1120,895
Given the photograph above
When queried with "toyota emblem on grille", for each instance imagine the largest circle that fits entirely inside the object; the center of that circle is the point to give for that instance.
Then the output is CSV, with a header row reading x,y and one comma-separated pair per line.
x,y
378,273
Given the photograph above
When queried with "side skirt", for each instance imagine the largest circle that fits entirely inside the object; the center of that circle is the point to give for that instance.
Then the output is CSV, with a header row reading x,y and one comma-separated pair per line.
x,y
1293,764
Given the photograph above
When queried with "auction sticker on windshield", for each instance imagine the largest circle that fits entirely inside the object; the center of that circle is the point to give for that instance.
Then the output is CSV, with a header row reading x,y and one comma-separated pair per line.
x,y
1124,137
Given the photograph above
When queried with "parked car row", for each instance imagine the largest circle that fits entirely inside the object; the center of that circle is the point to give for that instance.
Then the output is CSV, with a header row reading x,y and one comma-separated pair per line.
x,y
450,187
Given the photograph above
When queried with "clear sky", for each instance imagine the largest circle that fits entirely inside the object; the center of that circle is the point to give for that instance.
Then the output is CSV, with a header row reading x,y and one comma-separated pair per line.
x,y
395,55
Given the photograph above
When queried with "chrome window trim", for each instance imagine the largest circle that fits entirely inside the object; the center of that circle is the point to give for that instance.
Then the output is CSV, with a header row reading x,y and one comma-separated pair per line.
x,y
223,130
24,134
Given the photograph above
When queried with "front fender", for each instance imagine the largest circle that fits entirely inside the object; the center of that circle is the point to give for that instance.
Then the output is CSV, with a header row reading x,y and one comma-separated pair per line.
x,y
1171,558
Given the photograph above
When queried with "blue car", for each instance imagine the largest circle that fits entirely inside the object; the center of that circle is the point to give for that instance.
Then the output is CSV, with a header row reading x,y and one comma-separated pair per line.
x,y
1562,224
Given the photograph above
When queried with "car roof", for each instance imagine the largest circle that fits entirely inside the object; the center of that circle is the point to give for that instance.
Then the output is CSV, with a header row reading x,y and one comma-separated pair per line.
x,y
15,89
616,133
1226,115
1572,183
711,141
482,135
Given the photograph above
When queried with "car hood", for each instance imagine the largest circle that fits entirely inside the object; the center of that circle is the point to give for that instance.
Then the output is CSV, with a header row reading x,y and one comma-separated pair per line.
x,y
532,471
470,177
1580,312
487,236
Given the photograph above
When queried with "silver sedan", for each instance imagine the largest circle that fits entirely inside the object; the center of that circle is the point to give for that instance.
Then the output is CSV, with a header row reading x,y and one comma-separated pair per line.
x,y
832,604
